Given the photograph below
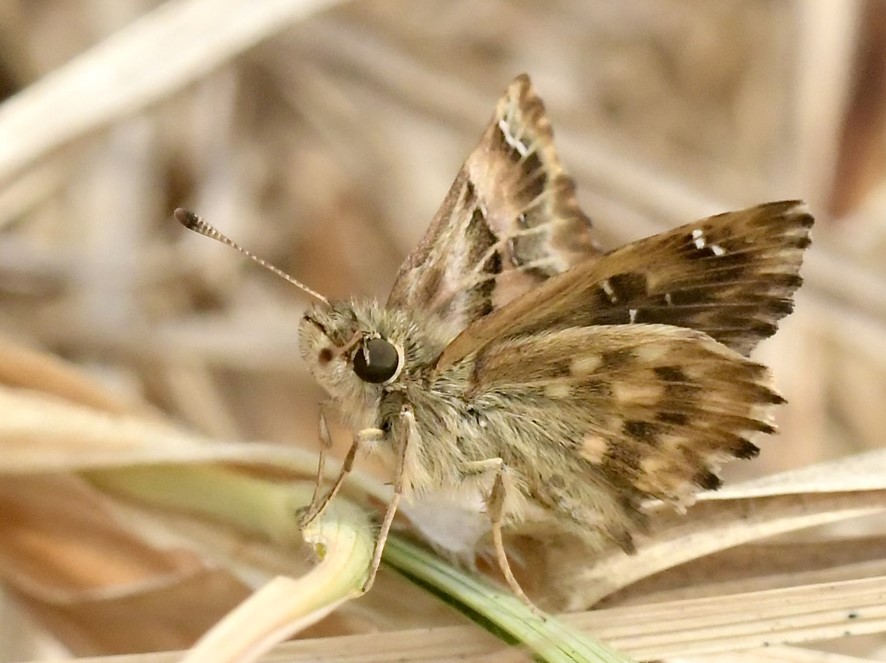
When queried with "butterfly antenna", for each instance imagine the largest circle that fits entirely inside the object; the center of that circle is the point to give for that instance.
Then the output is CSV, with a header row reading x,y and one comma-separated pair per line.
x,y
200,226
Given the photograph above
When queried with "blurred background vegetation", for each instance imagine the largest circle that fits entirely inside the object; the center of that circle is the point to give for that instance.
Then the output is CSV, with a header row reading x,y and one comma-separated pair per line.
x,y
325,139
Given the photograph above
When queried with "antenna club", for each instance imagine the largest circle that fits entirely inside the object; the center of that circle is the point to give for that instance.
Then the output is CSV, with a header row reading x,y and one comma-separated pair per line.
x,y
187,218
196,223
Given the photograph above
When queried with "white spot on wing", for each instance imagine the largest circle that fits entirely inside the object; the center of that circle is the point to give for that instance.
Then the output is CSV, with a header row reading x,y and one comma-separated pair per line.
x,y
593,448
585,364
512,140
607,288
650,352
637,393
633,314
698,238
668,300
557,390
718,250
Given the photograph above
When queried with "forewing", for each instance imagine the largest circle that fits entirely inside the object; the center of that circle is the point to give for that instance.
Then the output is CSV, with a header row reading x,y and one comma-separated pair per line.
x,y
731,276
643,411
509,221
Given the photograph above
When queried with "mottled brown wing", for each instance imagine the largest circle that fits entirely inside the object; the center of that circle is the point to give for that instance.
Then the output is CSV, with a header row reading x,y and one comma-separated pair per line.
x,y
731,276
627,412
509,221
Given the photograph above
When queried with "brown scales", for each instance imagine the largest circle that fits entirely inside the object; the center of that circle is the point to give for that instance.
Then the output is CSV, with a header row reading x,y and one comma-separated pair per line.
x,y
737,297
529,207
731,276
652,408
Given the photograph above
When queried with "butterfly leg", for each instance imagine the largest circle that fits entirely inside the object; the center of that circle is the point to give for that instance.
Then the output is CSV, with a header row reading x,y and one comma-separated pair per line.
x,y
325,446
408,433
362,438
495,510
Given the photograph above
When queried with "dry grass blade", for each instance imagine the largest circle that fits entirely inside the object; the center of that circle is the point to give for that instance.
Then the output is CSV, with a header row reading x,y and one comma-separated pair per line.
x,y
153,57
865,471
817,495
745,621
286,606
28,369
667,630
773,655
44,434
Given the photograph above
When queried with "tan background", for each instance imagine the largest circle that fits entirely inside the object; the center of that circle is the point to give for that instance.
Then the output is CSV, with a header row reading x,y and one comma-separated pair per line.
x,y
327,147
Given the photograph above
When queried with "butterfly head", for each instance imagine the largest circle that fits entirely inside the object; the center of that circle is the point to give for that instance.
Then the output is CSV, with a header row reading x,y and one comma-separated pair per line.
x,y
341,341
346,351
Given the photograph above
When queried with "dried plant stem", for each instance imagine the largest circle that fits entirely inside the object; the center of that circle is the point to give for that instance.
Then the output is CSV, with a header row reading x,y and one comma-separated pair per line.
x,y
250,504
175,44
748,622
714,527
342,538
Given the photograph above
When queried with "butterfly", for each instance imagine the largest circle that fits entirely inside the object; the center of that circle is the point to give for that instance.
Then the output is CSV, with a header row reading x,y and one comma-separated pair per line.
x,y
518,362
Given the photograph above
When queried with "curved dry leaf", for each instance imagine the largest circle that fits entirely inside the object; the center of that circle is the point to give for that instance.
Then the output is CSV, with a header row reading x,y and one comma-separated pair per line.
x,y
285,605
824,493
169,617
743,622
861,472
706,528
41,433
146,61
59,544
760,566
93,582
29,369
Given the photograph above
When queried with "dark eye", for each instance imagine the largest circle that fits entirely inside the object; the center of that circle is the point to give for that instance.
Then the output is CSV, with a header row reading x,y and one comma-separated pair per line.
x,y
377,361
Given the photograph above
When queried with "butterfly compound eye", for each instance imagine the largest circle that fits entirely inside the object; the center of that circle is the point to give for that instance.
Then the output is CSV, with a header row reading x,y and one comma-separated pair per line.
x,y
377,361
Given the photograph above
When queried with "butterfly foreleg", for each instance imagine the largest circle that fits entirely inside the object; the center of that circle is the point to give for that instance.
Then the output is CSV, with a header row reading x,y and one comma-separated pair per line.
x,y
325,446
367,437
408,434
